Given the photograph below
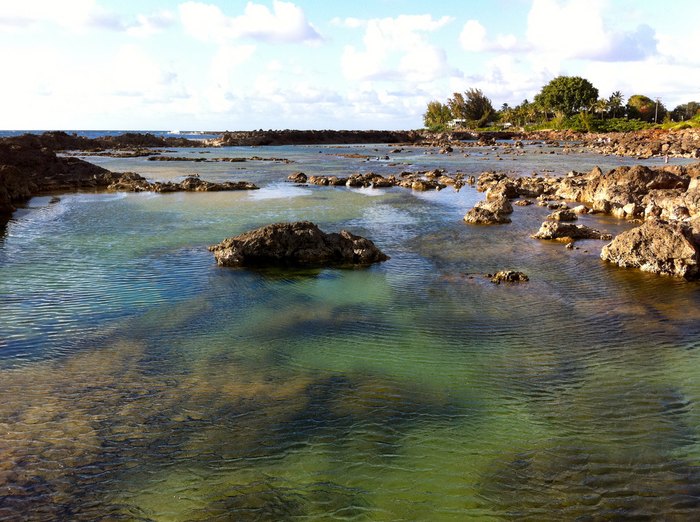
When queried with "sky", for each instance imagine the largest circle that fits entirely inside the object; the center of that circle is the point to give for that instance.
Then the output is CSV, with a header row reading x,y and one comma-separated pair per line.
x,y
320,64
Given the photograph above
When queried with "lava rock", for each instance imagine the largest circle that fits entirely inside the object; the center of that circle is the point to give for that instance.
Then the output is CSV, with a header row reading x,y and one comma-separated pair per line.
x,y
296,244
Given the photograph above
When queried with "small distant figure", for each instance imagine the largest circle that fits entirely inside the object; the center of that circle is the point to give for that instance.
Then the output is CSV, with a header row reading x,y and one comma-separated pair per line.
x,y
666,158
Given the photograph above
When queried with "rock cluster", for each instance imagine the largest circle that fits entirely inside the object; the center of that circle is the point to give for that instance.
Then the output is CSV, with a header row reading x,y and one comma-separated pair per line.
x,y
420,181
296,244
132,182
666,200
27,169
648,143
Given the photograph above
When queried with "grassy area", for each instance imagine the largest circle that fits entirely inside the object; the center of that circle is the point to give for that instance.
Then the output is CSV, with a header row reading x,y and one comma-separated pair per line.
x,y
693,123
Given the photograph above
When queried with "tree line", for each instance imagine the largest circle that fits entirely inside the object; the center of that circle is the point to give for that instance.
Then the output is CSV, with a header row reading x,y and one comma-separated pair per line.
x,y
565,102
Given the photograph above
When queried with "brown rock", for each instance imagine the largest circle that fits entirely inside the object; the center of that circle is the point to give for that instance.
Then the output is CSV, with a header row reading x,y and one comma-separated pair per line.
x,y
565,214
297,177
483,216
568,231
656,246
297,244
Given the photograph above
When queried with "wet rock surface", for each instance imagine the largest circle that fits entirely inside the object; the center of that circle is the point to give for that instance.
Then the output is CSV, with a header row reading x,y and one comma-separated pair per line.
x,y
509,276
568,232
656,246
296,244
28,168
132,182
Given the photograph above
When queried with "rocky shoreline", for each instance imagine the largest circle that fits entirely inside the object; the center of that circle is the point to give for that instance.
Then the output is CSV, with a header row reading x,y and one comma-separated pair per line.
x,y
663,201
29,168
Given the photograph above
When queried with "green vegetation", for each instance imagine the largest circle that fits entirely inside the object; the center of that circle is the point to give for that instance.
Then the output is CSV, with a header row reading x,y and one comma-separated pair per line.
x,y
473,108
566,102
567,95
437,116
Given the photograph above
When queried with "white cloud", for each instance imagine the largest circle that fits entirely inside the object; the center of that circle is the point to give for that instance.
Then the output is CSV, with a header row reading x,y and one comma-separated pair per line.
x,y
285,23
396,49
473,36
79,15
575,29
147,25
31,12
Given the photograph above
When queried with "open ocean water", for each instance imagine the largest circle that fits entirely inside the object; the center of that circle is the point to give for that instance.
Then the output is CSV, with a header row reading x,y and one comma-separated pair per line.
x,y
139,381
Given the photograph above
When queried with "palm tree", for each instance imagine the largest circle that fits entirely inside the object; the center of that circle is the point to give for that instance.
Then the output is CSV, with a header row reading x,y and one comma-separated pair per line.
x,y
601,106
615,103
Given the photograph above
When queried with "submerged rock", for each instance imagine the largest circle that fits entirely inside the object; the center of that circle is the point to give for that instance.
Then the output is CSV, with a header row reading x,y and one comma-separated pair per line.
x,y
297,244
568,232
509,276
656,246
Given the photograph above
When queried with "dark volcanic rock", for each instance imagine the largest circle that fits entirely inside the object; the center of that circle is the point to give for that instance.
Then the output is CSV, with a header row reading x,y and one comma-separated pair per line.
x,y
296,244
509,276
656,246
132,182
27,169
308,137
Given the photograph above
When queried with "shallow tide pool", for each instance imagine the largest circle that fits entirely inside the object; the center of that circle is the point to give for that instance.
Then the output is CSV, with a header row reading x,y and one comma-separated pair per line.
x,y
139,381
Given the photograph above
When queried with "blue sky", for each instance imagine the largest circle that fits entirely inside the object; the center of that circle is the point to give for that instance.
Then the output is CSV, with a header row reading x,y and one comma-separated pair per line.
x,y
217,65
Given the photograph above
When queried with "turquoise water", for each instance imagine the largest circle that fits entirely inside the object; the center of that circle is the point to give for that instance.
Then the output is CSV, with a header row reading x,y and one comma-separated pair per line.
x,y
139,381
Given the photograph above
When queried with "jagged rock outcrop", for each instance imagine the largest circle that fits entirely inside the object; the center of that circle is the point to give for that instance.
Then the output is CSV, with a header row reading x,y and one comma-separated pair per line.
x,y
27,168
568,232
490,212
296,244
483,216
656,246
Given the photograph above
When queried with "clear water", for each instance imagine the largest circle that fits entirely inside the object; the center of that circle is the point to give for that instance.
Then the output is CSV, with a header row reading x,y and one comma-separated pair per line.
x,y
139,381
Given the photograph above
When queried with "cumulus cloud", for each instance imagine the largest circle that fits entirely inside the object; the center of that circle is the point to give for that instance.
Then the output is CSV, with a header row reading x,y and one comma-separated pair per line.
x,y
79,15
575,29
146,25
474,38
285,23
396,49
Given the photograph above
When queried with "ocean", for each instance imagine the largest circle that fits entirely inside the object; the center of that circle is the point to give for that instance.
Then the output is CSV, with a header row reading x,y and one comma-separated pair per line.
x,y
140,381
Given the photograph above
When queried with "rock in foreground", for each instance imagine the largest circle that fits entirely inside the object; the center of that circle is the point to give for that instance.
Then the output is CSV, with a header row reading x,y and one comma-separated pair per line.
x,y
656,246
296,244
